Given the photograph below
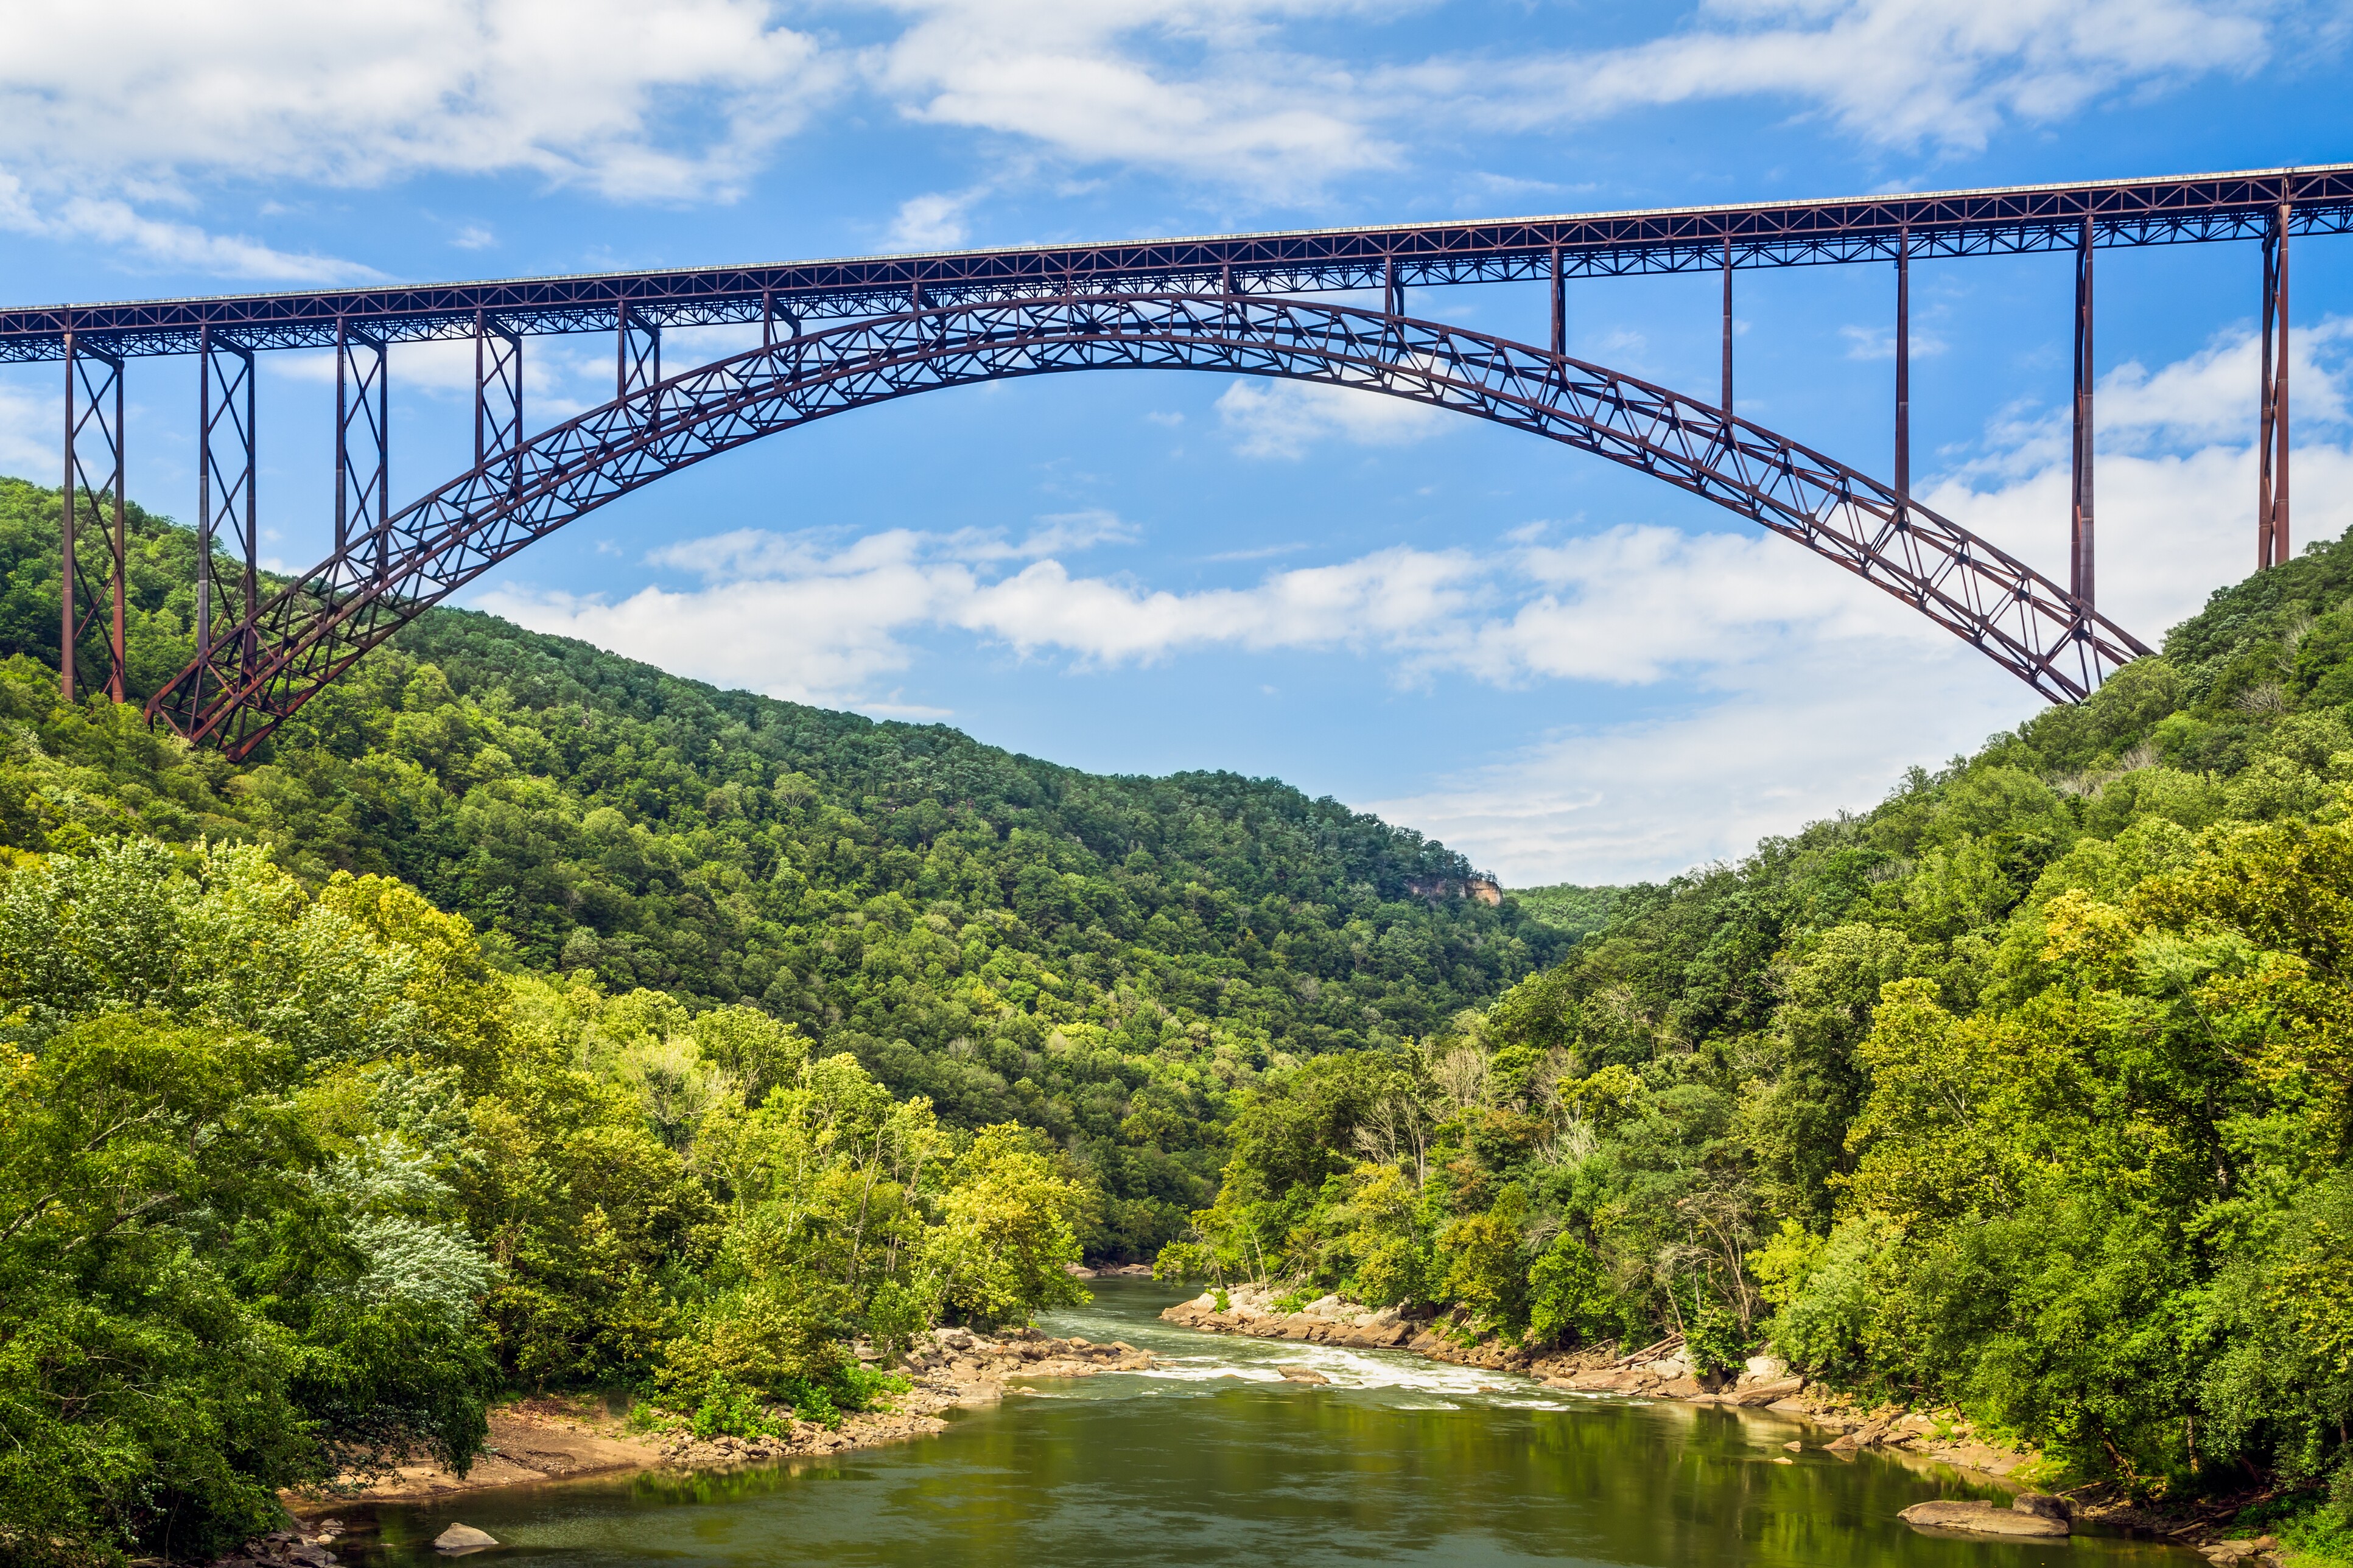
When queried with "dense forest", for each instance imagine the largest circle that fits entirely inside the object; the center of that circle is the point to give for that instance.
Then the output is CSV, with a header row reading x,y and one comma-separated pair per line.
x,y
528,1017
525,1016
2029,1092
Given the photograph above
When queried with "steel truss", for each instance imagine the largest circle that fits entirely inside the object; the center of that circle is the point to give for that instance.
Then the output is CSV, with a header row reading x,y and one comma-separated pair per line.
x,y
361,595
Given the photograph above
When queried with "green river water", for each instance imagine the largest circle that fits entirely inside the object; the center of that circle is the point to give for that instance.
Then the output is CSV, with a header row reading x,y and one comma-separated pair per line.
x,y
1216,1460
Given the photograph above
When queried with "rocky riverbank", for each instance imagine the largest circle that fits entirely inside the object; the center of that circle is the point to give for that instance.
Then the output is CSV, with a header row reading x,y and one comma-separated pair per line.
x,y
1660,1371
1663,1370
547,1438
951,1367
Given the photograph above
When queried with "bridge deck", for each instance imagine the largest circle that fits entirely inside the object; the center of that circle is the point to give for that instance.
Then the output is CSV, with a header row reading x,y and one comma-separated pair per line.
x,y
2005,221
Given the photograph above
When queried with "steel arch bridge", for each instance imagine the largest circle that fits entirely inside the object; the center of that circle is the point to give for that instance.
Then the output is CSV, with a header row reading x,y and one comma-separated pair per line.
x,y
1232,305
311,632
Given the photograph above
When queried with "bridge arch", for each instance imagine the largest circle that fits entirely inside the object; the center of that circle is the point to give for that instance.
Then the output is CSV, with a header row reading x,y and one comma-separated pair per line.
x,y
255,674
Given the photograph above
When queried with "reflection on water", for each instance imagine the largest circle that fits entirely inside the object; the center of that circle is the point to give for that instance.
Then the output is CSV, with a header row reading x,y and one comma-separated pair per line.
x,y
1217,1459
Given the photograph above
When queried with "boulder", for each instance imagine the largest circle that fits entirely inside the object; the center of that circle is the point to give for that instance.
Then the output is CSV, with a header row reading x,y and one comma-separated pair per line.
x,y
2041,1503
1764,1369
1971,1518
460,1539
1767,1393
1293,1373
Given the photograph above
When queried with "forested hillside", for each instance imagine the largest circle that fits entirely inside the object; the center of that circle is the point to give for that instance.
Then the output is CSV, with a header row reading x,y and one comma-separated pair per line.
x,y
1579,912
528,1017
2029,1091
1099,958
524,1017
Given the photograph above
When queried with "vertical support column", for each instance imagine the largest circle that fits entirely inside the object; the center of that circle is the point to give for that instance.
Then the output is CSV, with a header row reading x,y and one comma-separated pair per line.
x,y
93,448
226,491
1904,367
1392,289
2270,442
362,439
498,397
1727,326
2079,528
1559,306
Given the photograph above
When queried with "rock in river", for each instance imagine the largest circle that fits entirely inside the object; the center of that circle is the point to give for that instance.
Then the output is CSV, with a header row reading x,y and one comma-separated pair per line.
x,y
460,1539
1981,1519
1297,1373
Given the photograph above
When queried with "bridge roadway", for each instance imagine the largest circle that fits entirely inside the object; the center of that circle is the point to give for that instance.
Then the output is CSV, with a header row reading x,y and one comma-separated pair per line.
x,y
2013,220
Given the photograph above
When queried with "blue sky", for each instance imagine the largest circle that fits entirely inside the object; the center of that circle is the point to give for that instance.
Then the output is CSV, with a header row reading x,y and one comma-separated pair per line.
x,y
1565,670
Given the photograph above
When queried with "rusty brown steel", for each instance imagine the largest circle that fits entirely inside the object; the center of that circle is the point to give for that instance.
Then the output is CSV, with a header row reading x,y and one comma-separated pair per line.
x,y
332,614
1903,366
94,412
2272,441
228,478
2015,220
2080,464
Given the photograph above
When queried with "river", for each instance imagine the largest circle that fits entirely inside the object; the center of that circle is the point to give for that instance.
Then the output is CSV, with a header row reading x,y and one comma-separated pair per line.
x,y
1215,1459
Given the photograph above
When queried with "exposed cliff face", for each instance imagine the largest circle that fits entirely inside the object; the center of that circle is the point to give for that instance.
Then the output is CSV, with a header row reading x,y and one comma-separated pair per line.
x,y
1436,890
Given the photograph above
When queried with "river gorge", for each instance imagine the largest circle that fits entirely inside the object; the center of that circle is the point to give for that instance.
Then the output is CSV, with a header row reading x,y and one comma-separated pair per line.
x,y
1213,1455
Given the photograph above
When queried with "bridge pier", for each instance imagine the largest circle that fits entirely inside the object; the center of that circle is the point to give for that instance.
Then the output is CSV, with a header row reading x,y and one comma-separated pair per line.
x,y
1727,326
362,409
93,431
1904,367
497,393
226,484
2271,441
638,348
2079,526
1559,307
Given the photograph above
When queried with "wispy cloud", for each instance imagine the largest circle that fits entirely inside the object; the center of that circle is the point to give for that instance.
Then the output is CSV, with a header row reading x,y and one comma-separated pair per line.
x,y
1940,74
684,101
1284,418
689,100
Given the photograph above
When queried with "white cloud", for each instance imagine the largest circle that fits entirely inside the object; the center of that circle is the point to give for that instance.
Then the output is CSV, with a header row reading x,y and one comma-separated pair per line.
x,y
115,223
1904,73
932,221
1404,600
1284,418
1879,343
110,111
1825,690
1095,83
2211,395
561,377
28,433
1821,725
111,115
